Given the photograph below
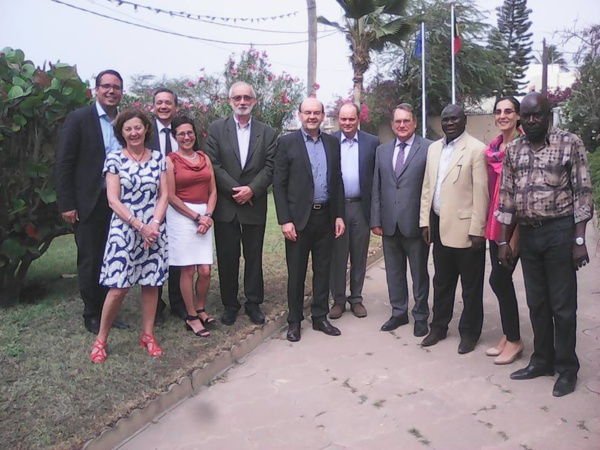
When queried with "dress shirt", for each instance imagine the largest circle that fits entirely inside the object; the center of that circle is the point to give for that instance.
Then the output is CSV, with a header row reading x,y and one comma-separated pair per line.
x,y
108,133
407,148
350,166
318,165
162,138
445,157
553,181
243,137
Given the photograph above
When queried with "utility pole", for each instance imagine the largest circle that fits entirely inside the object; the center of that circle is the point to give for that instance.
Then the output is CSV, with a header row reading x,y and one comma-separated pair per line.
x,y
544,67
311,6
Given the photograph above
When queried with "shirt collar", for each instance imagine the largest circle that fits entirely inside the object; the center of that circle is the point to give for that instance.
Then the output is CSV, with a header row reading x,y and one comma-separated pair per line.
x,y
551,130
101,112
408,142
345,139
160,126
307,137
239,126
454,141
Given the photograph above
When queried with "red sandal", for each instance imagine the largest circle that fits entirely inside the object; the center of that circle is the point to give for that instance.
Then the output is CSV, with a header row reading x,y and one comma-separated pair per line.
x,y
148,341
98,354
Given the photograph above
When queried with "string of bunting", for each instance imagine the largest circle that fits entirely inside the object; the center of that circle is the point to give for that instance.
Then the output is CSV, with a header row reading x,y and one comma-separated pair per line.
x,y
187,15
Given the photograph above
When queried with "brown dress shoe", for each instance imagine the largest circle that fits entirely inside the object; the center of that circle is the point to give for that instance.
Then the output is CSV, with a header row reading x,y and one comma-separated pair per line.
x,y
359,310
336,311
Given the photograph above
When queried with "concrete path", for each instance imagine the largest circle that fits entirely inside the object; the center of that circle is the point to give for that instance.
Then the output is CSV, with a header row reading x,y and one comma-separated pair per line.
x,y
373,390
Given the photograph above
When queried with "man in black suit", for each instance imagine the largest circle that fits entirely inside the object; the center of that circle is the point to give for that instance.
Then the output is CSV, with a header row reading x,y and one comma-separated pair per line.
x,y
309,198
242,150
85,139
165,108
357,153
397,183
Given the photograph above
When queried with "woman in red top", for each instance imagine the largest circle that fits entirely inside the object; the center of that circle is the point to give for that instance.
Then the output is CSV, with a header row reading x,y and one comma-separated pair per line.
x,y
510,347
192,199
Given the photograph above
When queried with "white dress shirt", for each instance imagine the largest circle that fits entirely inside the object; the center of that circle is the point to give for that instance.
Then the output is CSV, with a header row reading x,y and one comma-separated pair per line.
x,y
162,138
408,143
243,137
445,157
350,166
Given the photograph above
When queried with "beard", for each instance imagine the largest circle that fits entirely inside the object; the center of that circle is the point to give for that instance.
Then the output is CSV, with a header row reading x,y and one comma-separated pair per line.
x,y
243,112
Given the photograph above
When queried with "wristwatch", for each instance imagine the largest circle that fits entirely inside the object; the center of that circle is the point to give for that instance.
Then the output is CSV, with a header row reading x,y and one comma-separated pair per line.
x,y
208,215
579,240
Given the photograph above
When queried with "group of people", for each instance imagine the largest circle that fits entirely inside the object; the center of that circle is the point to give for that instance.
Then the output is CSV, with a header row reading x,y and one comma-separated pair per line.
x,y
131,188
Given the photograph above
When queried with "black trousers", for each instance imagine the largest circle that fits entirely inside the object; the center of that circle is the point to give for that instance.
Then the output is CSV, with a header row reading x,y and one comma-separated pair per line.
x,y
175,298
449,264
228,237
501,281
90,238
551,287
315,239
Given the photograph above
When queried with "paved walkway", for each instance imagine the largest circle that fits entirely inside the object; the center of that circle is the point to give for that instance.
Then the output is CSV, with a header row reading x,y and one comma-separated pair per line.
x,y
372,390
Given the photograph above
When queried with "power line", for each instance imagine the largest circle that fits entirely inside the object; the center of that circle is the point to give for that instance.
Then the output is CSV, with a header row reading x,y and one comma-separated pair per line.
x,y
173,33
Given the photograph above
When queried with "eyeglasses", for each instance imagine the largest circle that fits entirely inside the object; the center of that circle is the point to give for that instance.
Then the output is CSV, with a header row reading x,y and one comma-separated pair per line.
x,y
507,112
238,98
107,87
184,134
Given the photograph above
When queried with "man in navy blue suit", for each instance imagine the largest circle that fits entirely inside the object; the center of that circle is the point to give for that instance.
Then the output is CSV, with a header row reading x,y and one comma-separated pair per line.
x,y
357,155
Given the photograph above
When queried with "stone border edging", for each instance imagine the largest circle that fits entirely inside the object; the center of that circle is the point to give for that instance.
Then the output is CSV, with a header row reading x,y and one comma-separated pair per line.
x,y
127,427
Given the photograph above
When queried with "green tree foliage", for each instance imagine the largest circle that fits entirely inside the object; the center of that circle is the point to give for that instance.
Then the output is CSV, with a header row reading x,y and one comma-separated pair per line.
x,y
582,110
370,26
554,56
205,98
399,79
33,103
512,42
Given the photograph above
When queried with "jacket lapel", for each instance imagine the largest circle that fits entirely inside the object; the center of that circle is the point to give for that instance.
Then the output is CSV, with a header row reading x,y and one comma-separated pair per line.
x,y
459,151
255,139
232,138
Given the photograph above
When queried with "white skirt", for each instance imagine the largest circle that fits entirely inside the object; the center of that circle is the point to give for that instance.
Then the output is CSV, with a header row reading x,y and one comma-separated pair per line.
x,y
186,247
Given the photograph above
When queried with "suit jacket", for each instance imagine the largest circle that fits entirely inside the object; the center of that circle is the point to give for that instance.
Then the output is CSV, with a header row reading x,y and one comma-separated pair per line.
x,y
293,184
79,162
397,200
154,142
224,152
367,144
464,192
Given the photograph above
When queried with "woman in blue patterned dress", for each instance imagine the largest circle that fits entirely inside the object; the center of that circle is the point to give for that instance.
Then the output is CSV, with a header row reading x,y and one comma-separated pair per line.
x,y
136,248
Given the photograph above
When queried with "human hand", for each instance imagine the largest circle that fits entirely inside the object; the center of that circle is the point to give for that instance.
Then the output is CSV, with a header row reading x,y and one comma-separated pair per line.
x,y
340,227
71,216
289,231
477,242
243,194
580,256
425,235
505,257
204,224
377,231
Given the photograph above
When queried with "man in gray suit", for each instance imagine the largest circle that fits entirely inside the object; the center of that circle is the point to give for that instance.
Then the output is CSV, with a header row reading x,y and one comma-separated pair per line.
x,y
397,182
242,150
357,152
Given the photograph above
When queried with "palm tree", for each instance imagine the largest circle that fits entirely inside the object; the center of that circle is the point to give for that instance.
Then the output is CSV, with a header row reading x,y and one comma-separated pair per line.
x,y
369,25
554,56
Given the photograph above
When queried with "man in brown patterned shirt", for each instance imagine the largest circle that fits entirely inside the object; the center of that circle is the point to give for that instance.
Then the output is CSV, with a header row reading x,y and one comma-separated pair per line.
x,y
546,188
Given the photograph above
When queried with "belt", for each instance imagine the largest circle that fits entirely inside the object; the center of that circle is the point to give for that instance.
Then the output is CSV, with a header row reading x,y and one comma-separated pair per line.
x,y
353,200
317,206
541,223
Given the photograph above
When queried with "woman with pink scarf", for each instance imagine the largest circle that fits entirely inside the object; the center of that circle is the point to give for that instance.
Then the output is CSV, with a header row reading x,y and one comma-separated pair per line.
x,y
510,347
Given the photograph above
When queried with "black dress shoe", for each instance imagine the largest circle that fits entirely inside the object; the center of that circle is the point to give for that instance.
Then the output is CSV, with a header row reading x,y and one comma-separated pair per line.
x,y
120,325
229,317
421,328
467,345
395,322
532,371
565,384
159,319
178,312
92,324
433,337
326,327
293,334
255,315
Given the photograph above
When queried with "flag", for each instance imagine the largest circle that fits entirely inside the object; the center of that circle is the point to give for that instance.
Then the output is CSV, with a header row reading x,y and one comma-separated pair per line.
x,y
419,45
456,37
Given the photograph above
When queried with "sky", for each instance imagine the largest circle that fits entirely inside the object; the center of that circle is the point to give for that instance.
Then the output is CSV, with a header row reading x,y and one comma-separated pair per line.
x,y
47,30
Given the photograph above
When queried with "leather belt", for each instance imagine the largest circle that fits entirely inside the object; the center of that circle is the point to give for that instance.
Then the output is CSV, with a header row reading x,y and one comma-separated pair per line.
x,y
353,200
318,206
541,223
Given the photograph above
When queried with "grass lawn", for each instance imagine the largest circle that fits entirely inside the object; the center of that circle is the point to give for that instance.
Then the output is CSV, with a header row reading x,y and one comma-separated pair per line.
x,y
51,395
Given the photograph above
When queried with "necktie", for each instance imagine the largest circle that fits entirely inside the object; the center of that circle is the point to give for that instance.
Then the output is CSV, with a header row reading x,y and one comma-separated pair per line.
x,y
168,148
400,160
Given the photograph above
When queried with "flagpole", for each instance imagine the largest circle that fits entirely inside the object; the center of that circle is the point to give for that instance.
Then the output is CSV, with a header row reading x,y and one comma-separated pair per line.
x,y
452,37
423,85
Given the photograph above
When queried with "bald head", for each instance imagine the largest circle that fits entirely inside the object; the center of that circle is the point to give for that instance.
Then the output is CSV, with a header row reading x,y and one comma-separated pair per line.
x,y
349,119
311,113
535,116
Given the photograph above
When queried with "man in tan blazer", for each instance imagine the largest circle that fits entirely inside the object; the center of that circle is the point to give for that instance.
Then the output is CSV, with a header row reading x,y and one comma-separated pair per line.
x,y
454,204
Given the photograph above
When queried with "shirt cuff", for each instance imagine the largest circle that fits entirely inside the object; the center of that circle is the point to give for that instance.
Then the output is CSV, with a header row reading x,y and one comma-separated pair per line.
x,y
504,218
